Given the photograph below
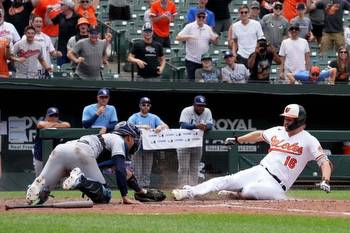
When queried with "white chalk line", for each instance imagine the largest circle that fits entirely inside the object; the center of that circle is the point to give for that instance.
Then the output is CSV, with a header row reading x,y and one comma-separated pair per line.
x,y
238,205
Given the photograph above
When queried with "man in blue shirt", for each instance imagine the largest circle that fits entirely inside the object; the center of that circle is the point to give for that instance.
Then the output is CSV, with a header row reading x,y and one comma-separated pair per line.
x,y
315,75
100,115
143,160
192,13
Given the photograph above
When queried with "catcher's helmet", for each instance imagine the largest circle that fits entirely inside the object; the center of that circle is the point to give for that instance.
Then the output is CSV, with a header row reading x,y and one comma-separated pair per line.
x,y
125,128
295,111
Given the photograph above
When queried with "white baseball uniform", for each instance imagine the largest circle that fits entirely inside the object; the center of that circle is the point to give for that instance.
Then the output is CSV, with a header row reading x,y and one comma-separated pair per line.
x,y
276,172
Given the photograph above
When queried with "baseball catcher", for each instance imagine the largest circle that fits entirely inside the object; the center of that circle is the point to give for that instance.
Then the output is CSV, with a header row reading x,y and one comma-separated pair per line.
x,y
79,157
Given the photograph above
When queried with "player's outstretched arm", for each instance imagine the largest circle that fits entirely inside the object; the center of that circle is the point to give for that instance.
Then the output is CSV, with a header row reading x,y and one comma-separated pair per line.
x,y
326,169
255,136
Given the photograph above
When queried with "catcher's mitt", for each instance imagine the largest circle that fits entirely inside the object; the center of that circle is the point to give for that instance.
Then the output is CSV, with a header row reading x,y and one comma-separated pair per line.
x,y
152,195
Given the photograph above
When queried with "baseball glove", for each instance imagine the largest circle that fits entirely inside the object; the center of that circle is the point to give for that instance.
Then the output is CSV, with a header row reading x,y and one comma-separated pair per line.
x,y
152,195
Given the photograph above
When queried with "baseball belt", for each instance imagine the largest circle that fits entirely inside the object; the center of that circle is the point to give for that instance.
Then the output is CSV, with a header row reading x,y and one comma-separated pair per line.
x,y
276,178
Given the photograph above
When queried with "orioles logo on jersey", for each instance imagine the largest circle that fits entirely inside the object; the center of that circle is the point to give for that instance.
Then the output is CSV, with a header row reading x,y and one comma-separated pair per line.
x,y
278,145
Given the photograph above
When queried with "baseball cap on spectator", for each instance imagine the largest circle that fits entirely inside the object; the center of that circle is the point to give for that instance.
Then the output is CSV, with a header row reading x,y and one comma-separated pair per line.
x,y
228,54
200,100
315,69
68,3
145,100
294,26
147,27
94,30
82,20
261,39
277,3
52,111
103,92
205,56
201,12
255,4
301,6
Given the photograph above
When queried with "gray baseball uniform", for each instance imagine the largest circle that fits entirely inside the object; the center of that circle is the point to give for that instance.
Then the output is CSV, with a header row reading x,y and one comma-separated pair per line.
x,y
189,158
81,153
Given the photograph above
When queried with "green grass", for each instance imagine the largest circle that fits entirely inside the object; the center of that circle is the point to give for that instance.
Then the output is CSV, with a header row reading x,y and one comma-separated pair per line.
x,y
85,223
153,223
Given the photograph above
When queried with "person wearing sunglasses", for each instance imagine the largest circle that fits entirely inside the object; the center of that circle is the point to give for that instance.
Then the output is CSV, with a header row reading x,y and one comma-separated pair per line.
x,y
294,53
87,9
315,75
342,64
51,120
192,12
142,161
242,35
101,114
198,37
275,26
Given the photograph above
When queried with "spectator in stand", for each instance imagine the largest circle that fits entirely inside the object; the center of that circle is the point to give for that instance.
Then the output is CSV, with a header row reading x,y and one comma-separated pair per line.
x,y
342,64
100,115
147,15
148,55
7,30
275,26
87,9
265,7
260,62
143,160
316,14
255,11
89,54
4,56
162,14
333,32
221,11
51,120
192,13
243,35
233,72
17,12
46,43
294,52
208,73
26,53
83,28
197,36
41,8
67,21
304,22
313,76
289,9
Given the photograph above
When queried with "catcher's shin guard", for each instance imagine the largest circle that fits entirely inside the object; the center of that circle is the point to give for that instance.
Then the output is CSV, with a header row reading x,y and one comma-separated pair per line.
x,y
132,183
96,191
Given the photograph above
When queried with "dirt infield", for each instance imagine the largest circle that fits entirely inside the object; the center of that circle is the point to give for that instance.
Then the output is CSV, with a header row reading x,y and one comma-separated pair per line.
x,y
334,208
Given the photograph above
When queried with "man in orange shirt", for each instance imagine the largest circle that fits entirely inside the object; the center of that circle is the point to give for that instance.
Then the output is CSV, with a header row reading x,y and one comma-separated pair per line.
x,y
4,56
162,14
41,9
86,9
